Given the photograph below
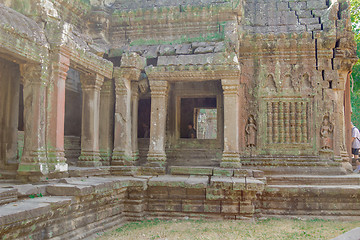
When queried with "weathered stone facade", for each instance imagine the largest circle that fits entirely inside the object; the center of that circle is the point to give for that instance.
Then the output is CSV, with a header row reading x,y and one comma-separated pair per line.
x,y
112,86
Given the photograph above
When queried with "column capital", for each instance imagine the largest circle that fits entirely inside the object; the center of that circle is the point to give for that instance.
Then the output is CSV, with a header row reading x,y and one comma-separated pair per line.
x,y
159,88
230,86
132,74
134,88
33,73
107,87
91,81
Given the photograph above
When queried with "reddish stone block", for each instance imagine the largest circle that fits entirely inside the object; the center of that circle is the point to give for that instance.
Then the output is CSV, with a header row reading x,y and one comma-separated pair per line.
x,y
159,205
196,193
158,192
229,207
193,206
212,206
177,193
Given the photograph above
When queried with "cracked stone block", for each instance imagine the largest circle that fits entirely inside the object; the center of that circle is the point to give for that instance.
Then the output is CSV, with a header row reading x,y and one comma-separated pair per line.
x,y
297,28
316,4
297,5
313,27
309,21
207,58
151,52
183,49
287,18
304,14
282,6
137,49
219,47
318,13
167,50
201,50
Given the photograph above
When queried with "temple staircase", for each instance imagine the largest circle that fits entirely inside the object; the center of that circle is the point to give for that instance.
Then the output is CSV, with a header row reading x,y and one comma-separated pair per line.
x,y
310,196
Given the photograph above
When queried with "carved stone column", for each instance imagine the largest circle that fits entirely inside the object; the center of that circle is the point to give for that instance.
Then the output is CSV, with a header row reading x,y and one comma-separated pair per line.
x,y
56,114
33,161
134,120
231,157
122,154
106,123
159,93
91,85
340,151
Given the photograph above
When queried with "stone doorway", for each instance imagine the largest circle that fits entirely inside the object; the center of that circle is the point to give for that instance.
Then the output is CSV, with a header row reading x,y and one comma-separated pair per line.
x,y
144,111
11,115
199,104
73,117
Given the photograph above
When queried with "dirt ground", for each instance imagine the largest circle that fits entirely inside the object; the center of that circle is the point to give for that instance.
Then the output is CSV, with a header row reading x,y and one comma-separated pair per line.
x,y
275,229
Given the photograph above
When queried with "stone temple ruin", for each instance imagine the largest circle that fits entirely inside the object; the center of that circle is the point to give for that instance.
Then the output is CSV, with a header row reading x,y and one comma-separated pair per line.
x,y
97,99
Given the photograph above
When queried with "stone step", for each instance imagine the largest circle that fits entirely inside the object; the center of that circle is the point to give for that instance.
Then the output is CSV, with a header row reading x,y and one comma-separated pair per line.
x,y
8,195
8,174
312,200
299,170
89,171
353,179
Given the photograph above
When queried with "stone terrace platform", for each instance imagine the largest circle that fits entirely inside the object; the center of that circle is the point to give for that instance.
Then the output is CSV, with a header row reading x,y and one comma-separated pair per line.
x,y
91,200
80,207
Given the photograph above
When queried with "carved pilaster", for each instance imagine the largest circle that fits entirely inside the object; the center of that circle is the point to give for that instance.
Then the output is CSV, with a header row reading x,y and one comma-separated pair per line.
x,y
91,86
134,120
231,157
159,92
123,152
33,161
106,123
56,113
269,122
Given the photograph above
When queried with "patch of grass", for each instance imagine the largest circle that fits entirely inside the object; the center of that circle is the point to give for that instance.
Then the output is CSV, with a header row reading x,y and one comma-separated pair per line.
x,y
272,228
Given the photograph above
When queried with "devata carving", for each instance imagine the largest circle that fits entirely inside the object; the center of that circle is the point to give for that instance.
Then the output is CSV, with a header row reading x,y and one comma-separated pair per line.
x,y
326,131
251,130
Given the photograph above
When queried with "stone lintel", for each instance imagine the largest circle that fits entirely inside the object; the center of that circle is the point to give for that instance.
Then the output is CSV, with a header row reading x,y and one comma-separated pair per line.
x,y
87,62
133,61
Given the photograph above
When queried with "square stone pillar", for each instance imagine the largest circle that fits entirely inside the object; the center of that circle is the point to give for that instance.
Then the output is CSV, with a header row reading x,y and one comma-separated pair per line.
x,y
106,123
9,113
56,114
231,157
122,154
91,86
33,162
159,95
340,151
134,120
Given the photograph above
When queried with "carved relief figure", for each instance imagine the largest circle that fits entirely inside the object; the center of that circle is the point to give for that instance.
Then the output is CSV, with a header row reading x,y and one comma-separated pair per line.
x,y
270,83
326,133
251,130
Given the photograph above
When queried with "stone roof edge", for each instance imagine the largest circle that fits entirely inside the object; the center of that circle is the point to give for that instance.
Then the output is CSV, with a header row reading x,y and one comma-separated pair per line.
x,y
23,47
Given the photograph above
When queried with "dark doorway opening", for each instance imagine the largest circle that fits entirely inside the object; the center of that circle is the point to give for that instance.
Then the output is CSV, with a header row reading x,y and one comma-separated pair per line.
x,y
73,117
144,118
191,109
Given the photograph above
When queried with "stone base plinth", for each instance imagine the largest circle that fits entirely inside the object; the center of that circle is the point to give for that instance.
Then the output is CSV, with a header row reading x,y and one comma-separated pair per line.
x,y
33,165
230,160
120,158
105,158
152,171
89,159
156,160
